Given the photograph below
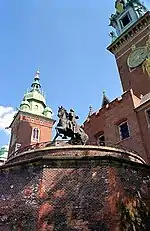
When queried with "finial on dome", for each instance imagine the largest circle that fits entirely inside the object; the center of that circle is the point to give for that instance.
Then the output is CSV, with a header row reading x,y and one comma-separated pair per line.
x,y
36,84
37,74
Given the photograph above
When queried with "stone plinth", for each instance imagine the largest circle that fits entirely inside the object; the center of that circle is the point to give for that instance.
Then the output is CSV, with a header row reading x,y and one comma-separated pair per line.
x,y
74,188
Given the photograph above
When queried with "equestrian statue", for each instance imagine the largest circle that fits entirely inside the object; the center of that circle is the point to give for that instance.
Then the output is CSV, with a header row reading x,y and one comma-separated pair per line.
x,y
67,127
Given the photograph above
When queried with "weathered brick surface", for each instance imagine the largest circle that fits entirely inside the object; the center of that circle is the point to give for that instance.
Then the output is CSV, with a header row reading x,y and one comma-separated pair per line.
x,y
108,119
18,198
144,128
135,83
89,195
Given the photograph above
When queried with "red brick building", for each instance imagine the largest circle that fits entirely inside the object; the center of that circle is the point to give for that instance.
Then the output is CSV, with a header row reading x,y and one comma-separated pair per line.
x,y
126,120
33,122
64,187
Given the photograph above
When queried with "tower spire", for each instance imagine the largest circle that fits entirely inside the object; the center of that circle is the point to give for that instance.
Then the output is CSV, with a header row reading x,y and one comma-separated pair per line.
x,y
105,100
90,111
36,83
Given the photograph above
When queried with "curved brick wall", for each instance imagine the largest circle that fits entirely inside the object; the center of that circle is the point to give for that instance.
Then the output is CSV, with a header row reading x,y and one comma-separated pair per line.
x,y
75,189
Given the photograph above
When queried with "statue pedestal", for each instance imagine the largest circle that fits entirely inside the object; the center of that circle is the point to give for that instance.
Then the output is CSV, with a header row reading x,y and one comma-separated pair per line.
x,y
72,188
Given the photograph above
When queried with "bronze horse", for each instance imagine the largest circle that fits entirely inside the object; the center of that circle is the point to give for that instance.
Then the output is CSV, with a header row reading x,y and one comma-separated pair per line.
x,y
67,127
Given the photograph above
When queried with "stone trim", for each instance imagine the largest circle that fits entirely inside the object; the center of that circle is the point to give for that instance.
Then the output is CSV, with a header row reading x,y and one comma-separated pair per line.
x,y
77,150
65,162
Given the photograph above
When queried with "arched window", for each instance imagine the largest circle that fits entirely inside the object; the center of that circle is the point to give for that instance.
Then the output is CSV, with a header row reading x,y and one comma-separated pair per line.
x,y
100,138
35,134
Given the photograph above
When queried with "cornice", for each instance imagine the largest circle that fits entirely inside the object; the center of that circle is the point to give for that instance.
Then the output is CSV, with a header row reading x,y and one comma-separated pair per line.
x,y
131,33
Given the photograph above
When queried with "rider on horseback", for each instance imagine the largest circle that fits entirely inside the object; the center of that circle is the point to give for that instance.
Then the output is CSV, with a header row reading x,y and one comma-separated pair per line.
x,y
72,120
68,127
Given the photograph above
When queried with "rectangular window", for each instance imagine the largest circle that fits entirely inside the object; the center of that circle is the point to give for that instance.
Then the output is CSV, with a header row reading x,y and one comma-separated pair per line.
x,y
148,116
125,20
124,130
101,140
35,134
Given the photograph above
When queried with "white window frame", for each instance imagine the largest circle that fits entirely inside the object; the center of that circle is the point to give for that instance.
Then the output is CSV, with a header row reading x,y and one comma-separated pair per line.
x,y
120,135
147,118
17,146
33,138
121,23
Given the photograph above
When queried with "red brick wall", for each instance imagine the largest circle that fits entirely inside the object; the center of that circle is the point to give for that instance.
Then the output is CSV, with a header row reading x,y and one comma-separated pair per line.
x,y
145,128
23,126
90,199
107,120
137,80
102,195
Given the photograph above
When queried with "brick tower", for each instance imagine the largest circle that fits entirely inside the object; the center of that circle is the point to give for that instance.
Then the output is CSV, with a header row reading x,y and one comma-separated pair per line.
x,y
129,45
125,121
33,122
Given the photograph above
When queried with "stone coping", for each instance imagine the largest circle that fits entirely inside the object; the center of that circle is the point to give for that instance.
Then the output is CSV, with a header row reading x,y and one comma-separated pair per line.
x,y
78,150
72,162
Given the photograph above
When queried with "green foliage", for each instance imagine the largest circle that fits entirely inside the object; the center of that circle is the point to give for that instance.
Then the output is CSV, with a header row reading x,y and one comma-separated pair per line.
x,y
133,212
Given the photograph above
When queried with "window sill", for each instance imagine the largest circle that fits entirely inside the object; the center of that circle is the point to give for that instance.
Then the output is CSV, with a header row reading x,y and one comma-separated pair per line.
x,y
123,140
35,141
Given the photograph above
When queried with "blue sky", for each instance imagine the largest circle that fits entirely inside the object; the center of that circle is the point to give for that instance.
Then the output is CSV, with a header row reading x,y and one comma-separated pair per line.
x,y
67,40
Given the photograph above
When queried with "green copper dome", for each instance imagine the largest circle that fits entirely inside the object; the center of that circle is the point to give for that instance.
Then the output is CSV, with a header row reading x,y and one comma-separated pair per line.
x,y
24,103
3,153
48,112
35,95
35,92
48,109
34,101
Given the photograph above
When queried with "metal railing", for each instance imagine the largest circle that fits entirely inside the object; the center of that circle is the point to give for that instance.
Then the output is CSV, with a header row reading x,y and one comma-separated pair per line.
x,y
29,148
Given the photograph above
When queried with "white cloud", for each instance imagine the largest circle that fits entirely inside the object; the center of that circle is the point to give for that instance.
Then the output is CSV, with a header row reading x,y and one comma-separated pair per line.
x,y
6,117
